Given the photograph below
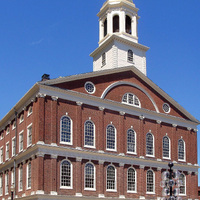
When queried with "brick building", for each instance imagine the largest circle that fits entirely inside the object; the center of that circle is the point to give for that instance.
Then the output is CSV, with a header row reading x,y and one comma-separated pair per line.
x,y
108,133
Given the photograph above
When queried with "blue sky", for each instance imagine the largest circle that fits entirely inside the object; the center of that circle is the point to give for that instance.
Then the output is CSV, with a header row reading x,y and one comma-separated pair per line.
x,y
57,36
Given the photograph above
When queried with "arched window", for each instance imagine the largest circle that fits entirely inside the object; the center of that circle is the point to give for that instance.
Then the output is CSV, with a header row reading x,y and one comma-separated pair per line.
x,y
149,144
115,23
105,27
128,24
89,176
111,137
181,150
182,188
130,56
89,134
66,174
131,99
103,59
166,147
131,180
150,181
111,178
131,141
66,130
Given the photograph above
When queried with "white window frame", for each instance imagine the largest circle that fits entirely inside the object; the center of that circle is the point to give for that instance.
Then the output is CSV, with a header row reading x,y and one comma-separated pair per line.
x,y
21,133
1,154
7,130
7,153
182,160
14,125
127,102
115,189
71,175
130,56
13,146
132,191
71,131
135,150
30,111
94,135
109,149
28,141
153,182
12,178
21,119
149,155
1,185
168,150
184,185
87,188
27,175
6,183
20,173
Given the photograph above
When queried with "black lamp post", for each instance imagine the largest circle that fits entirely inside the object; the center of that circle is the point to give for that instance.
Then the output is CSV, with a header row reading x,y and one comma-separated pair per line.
x,y
12,191
171,183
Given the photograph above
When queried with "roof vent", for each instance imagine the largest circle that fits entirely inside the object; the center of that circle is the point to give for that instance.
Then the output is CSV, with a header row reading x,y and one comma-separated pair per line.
x,y
45,77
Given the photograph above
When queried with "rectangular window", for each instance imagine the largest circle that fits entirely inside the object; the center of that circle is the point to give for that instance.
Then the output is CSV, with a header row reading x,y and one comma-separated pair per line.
x,y
21,178
13,146
7,150
29,135
6,183
103,59
1,155
12,178
21,141
1,185
28,175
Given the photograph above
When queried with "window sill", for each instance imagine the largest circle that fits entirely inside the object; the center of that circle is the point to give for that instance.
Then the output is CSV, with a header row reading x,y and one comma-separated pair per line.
x,y
89,189
91,147
132,153
111,190
132,192
114,150
151,156
66,188
182,160
150,192
166,158
66,143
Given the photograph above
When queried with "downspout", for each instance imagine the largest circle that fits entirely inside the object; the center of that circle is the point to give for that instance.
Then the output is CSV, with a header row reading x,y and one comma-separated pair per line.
x,y
15,152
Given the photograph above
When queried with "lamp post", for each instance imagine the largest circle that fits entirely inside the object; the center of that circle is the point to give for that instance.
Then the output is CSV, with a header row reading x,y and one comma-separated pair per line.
x,y
12,188
171,184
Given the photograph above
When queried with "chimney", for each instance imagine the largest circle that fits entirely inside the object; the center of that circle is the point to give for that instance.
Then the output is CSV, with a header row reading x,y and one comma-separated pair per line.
x,y
45,77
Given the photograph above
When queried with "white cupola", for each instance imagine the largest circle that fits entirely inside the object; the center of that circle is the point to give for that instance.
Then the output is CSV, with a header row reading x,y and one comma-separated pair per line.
x,y
118,39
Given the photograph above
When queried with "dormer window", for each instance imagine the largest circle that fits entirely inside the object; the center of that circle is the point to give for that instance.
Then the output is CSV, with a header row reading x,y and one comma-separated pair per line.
x,y
130,56
128,25
115,24
131,99
103,59
105,27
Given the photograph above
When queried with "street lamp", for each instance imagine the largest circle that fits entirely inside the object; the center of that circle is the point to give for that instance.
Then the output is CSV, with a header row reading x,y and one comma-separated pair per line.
x,y
171,184
12,188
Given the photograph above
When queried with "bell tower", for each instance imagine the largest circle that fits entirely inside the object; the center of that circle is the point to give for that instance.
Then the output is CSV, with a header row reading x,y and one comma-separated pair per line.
x,y
118,39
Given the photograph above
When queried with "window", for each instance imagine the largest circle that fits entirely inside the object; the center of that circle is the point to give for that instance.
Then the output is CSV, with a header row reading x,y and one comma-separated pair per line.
x,y
128,24
1,185
181,150
21,119
89,134
89,87
66,130
130,56
1,155
115,23
131,141
150,181
7,131
29,135
20,178
6,183
103,59
21,141
12,178
149,144
30,110
66,174
111,138
13,146
89,176
131,180
28,175
111,178
182,188
166,147
131,99
14,125
105,27
7,150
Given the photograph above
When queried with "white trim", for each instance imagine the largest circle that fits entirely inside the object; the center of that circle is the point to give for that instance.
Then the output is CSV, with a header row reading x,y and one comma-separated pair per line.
x,y
153,146
6,179
111,190
7,145
94,133
13,139
129,152
1,184
7,130
21,119
111,86
153,182
130,191
30,125
71,175
184,186
19,175
90,189
1,151
71,131
168,158
29,113
21,133
89,82
27,172
182,160
14,125
108,149
134,96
